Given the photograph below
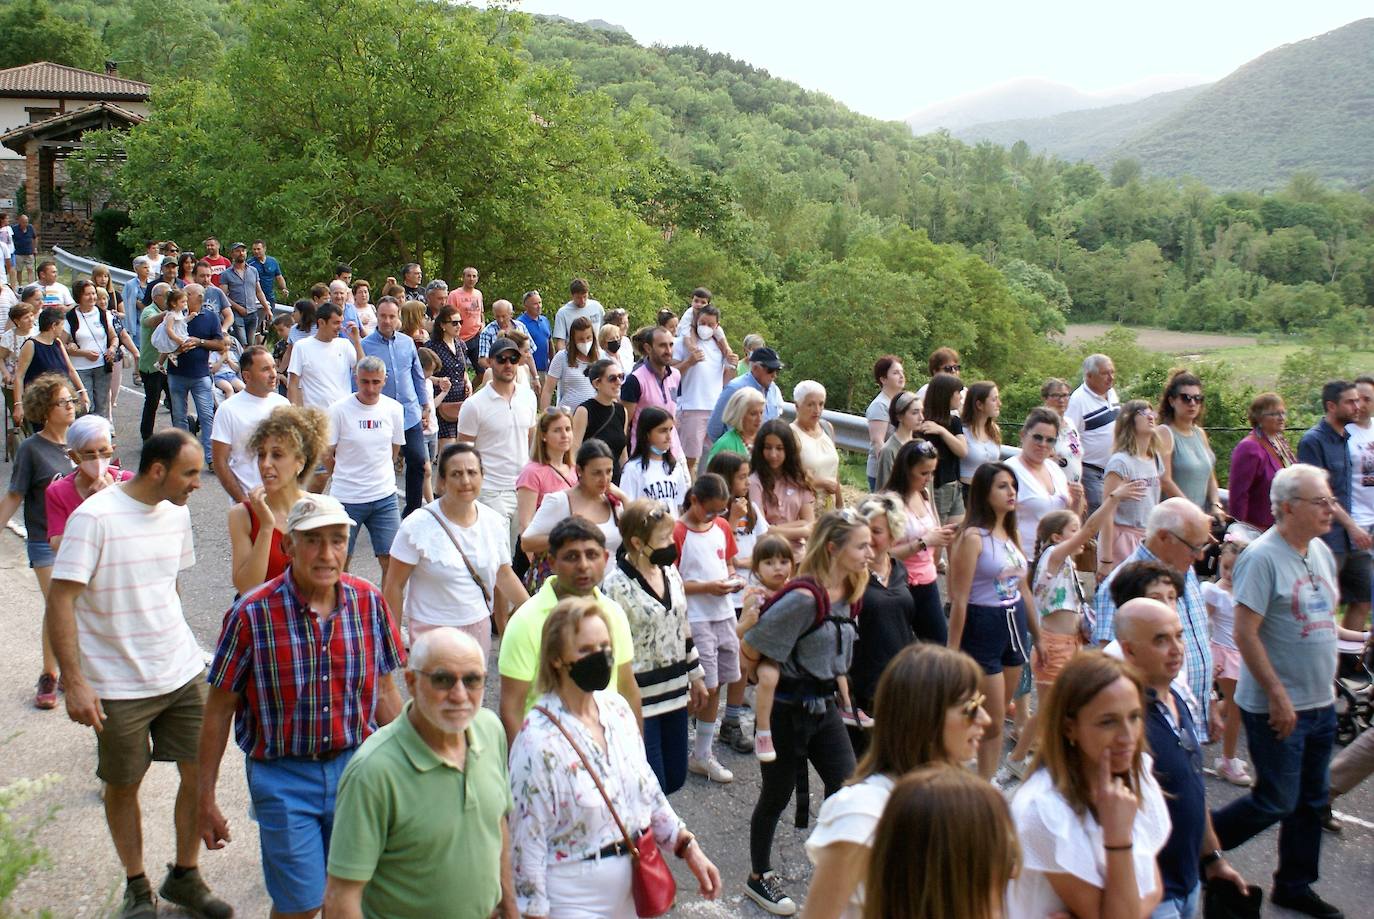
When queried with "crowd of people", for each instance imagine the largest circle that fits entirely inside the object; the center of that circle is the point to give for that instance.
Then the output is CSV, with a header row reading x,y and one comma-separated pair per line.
x,y
630,517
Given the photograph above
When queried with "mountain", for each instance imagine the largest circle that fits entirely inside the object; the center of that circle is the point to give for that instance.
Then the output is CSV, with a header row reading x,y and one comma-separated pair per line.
x,y
1026,97
1086,134
1306,106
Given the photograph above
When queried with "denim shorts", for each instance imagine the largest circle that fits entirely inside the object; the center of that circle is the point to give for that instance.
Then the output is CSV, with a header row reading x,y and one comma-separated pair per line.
x,y
41,554
993,637
382,519
293,803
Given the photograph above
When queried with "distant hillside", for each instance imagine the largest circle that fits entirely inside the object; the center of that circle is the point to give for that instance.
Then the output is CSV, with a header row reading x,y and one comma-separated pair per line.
x,y
1083,135
1025,98
1306,106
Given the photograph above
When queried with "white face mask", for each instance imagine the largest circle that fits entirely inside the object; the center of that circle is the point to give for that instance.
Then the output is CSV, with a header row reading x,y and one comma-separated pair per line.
x,y
585,347
705,332
95,468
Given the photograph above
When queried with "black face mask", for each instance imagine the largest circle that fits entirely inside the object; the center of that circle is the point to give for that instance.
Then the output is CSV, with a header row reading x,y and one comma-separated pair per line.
x,y
663,556
613,345
593,672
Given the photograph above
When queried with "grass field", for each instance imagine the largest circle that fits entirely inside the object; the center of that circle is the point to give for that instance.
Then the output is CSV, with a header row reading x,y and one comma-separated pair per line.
x,y
1252,360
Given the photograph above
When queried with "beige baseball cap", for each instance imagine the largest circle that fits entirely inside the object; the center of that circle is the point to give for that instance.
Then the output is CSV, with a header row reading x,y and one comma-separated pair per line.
x,y
315,511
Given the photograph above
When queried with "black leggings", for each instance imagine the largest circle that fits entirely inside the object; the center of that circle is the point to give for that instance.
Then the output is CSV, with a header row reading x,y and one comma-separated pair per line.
x,y
796,734
154,385
929,622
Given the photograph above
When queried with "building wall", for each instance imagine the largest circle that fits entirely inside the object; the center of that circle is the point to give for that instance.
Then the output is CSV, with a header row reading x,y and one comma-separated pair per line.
x,y
13,115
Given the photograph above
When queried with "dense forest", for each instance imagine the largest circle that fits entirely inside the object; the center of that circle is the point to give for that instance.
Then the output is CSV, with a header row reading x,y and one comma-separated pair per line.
x,y
540,149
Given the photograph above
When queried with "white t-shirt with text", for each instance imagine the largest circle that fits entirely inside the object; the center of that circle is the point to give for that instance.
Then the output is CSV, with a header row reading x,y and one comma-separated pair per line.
x,y
362,437
1361,446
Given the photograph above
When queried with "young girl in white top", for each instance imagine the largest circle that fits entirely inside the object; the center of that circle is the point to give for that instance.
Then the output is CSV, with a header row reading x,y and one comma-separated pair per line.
x,y
652,471
1060,601
170,334
982,406
1221,609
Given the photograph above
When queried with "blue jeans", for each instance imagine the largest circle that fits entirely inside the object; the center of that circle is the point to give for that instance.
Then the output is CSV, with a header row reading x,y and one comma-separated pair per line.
x,y
1179,907
203,393
1290,789
665,747
293,803
381,519
416,454
1092,487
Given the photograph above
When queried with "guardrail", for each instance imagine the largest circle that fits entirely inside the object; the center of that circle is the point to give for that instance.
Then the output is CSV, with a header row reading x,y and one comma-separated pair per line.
x,y
851,431
78,265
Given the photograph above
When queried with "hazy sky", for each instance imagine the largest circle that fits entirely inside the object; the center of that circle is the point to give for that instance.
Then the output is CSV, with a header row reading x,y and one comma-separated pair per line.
x,y
890,57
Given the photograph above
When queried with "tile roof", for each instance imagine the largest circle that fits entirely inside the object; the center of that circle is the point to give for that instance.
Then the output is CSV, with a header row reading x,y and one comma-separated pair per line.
x,y
44,79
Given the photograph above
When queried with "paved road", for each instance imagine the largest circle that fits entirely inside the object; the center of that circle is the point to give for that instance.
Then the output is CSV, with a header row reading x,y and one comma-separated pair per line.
x,y
719,814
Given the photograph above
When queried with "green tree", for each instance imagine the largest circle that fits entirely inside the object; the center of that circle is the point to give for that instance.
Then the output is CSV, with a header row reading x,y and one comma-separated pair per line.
x,y
30,31
160,39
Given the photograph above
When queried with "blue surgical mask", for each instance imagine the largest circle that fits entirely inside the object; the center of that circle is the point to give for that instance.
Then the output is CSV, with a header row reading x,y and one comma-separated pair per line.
x,y
656,451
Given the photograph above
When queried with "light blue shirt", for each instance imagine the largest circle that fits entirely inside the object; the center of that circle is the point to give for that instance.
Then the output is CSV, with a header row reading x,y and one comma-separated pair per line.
x,y
133,294
772,403
405,378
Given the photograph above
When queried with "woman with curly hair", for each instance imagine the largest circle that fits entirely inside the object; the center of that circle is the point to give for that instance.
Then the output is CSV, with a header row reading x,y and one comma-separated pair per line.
x,y
287,443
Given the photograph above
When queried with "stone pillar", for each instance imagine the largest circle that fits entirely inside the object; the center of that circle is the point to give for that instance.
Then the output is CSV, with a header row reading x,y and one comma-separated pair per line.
x,y
32,183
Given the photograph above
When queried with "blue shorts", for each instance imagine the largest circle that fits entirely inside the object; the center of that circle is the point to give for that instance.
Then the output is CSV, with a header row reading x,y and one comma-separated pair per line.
x,y
993,636
41,554
382,519
293,803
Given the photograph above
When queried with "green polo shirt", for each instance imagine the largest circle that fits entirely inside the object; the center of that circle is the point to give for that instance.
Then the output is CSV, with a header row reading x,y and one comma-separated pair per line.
x,y
520,644
424,835
147,354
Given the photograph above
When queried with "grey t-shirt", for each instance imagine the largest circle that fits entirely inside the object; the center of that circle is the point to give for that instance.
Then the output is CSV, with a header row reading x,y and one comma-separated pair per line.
x,y
877,411
1134,513
1298,600
37,463
778,636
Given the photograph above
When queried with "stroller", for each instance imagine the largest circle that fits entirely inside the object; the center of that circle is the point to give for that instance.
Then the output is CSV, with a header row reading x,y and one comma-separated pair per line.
x,y
1354,690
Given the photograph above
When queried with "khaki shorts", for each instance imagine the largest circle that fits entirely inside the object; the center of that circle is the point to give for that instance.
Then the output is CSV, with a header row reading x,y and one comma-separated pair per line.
x,y
170,721
949,501
22,262
691,429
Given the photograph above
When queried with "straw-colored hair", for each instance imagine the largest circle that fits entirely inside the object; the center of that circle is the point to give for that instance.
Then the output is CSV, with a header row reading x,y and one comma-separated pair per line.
x,y
1123,435
301,428
560,631
830,534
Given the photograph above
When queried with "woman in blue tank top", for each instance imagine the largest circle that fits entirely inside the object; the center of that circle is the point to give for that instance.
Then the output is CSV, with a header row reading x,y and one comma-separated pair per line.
x,y
991,604
44,353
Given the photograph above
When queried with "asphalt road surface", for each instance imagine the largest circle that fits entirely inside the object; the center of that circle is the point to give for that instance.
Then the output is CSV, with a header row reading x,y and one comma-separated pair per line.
x,y
719,814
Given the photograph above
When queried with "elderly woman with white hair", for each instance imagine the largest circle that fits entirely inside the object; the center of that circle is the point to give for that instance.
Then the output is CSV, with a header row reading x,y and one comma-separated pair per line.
x,y
742,416
816,440
90,444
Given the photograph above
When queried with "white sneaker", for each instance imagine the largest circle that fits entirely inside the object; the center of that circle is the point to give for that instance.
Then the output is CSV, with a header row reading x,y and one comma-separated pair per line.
x,y
711,768
1233,771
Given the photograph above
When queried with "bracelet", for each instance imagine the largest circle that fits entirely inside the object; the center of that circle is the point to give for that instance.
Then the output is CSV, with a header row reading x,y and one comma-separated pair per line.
x,y
1126,848
685,839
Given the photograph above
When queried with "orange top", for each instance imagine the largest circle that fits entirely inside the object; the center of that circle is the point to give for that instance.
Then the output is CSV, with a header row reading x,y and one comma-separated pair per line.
x,y
469,306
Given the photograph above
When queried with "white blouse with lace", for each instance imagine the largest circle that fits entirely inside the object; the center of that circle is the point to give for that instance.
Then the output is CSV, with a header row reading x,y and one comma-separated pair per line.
x,y
440,590
1055,840
559,814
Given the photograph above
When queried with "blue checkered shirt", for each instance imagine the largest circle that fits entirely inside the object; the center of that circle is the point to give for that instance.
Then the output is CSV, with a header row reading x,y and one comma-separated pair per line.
x,y
1197,635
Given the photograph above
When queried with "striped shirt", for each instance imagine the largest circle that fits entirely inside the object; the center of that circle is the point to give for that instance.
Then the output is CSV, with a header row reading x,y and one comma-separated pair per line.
x,y
307,684
1095,418
130,629
665,658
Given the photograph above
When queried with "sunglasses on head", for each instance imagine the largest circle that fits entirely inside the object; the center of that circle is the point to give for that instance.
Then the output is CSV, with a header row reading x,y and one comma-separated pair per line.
x,y
443,681
924,448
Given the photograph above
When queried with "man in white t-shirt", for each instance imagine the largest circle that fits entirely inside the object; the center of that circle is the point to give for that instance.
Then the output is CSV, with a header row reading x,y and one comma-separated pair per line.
x,y
54,293
579,304
1361,445
132,668
706,368
1093,408
321,369
366,432
236,466
498,419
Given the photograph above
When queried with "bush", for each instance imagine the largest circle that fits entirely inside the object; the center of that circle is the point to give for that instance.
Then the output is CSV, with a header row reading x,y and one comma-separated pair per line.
x,y
105,227
20,852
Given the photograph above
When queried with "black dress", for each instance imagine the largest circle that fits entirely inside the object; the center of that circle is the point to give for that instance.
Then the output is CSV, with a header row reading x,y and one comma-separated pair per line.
x,y
884,630
607,424
453,363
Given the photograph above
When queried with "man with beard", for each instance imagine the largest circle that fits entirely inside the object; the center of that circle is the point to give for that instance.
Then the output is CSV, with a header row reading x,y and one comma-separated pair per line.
x,y
241,283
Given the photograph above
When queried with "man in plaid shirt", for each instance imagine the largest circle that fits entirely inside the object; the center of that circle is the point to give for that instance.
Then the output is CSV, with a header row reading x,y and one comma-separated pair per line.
x,y
303,669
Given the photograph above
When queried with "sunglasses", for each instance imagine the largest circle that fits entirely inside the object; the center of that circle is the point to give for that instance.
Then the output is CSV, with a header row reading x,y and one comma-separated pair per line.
x,y
1040,438
443,681
1192,398
970,708
613,378
506,358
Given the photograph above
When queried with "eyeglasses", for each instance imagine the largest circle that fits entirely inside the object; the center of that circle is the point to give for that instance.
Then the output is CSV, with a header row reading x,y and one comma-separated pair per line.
x,y
1040,438
1058,395
95,454
1329,501
952,368
506,357
1274,415
443,681
1196,550
971,707
62,403
1192,398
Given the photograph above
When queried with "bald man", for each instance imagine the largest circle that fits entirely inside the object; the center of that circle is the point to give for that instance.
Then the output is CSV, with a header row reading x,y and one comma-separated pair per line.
x,y
341,295
420,827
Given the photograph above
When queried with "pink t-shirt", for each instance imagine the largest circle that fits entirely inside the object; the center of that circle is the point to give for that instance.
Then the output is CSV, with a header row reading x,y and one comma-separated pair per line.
x,y
63,498
543,479
788,500
469,307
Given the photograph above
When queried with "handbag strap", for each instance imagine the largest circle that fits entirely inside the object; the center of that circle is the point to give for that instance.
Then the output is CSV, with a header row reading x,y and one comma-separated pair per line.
x,y
481,585
629,842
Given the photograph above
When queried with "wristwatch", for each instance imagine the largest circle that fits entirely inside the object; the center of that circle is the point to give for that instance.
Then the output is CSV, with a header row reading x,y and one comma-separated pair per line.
x,y
1210,859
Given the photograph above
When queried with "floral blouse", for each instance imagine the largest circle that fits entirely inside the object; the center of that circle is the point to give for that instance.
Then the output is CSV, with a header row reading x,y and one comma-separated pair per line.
x,y
559,814
665,658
